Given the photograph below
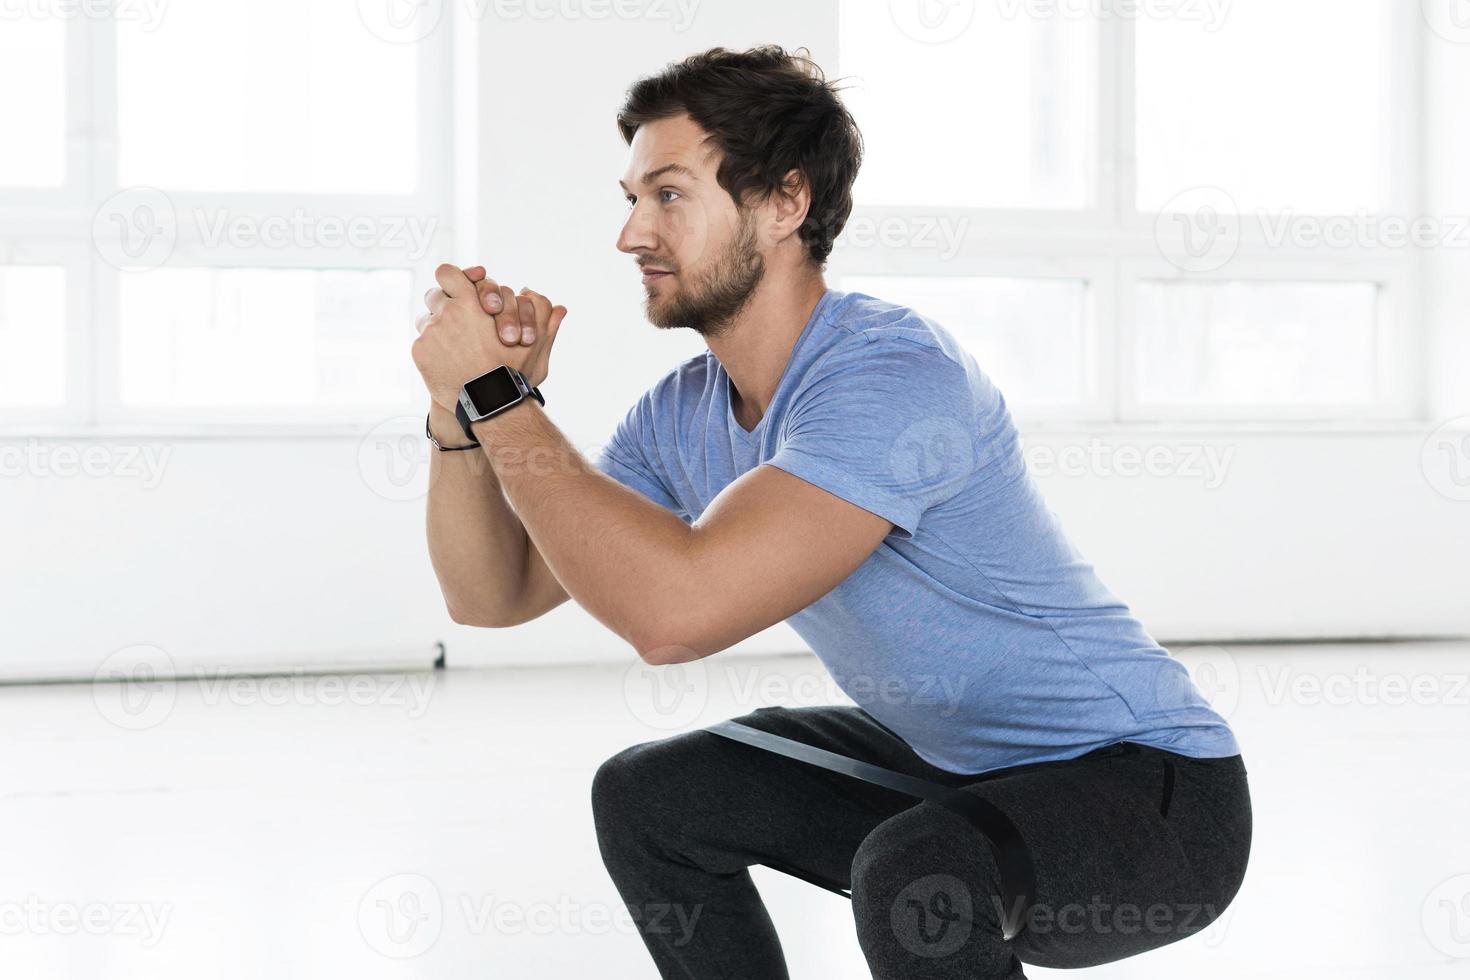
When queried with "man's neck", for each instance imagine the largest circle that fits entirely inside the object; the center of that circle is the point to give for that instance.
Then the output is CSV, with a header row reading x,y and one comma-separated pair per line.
x,y
756,346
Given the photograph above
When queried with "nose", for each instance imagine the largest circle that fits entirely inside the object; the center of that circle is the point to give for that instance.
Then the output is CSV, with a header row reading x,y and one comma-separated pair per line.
x,y
638,232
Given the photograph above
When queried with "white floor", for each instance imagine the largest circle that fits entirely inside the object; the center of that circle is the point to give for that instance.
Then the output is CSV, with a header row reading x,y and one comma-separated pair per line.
x,y
438,825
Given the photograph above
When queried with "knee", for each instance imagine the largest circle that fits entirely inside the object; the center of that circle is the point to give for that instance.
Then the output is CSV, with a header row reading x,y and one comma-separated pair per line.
x,y
641,789
925,887
616,785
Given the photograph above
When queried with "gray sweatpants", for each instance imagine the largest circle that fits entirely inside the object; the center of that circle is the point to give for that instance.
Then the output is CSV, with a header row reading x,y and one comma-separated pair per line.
x,y
1133,848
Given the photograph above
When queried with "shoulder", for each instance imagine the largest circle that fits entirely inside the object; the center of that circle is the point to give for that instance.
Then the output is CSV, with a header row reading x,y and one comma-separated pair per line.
x,y
685,380
879,330
871,336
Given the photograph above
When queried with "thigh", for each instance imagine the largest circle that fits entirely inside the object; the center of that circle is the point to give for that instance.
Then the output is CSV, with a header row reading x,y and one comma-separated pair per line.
x,y
1115,873
1119,870
725,805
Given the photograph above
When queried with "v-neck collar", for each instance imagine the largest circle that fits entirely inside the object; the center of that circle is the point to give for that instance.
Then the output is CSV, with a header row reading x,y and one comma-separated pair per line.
x,y
818,312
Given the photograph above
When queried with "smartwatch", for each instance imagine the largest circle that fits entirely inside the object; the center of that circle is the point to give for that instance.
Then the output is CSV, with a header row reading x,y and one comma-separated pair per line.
x,y
490,394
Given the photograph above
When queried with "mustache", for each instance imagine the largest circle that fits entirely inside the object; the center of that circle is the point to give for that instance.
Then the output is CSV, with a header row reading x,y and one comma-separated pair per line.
x,y
647,264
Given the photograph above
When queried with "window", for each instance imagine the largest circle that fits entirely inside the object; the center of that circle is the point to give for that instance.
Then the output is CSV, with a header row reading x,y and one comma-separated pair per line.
x,y
1123,224
1011,97
1017,328
193,234
32,337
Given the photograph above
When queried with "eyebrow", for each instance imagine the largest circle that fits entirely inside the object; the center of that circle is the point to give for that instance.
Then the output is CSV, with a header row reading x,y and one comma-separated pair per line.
x,y
669,168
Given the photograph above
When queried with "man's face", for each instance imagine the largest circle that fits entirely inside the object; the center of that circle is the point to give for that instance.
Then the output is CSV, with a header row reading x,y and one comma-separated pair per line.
x,y
698,251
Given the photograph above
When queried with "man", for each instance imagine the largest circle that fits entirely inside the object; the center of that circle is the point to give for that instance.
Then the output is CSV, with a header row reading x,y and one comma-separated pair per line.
x,y
841,463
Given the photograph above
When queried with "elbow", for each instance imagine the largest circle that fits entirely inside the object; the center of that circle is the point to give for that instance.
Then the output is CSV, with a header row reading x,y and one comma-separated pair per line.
x,y
669,646
471,616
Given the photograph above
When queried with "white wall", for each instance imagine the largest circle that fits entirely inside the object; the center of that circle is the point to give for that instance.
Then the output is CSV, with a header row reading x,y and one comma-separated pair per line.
x,y
270,550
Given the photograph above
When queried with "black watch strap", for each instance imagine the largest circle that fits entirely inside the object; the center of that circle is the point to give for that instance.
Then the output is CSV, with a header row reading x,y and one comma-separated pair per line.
x,y
464,422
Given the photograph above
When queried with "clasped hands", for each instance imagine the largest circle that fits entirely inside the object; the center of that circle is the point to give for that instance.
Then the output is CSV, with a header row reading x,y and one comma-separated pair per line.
x,y
474,325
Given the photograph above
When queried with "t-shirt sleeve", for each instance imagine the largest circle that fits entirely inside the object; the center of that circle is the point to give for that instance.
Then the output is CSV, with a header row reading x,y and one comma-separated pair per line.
x,y
626,457
888,425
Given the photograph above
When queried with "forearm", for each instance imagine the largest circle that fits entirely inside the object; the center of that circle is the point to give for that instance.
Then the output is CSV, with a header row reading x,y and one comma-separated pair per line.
x,y
625,559
477,544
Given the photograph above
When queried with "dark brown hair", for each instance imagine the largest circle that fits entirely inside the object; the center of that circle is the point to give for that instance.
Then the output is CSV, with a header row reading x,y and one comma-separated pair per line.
x,y
769,112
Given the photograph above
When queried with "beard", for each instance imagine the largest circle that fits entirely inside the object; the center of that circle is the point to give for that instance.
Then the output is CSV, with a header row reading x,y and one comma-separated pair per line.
x,y
711,301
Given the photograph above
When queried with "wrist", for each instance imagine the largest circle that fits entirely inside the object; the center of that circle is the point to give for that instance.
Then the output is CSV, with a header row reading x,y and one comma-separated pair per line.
x,y
445,427
514,417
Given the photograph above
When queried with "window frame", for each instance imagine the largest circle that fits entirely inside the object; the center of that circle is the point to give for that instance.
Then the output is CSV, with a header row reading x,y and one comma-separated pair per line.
x,y
53,226
1112,244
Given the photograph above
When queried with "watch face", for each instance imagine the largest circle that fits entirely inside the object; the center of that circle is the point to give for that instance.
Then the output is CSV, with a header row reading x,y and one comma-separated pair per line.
x,y
491,391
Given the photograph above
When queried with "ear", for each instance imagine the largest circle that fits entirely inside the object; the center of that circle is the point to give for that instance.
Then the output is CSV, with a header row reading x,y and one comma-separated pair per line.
x,y
790,204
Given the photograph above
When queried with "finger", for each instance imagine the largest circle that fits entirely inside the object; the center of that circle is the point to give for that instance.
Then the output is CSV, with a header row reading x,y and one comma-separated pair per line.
x,y
543,354
489,291
435,299
452,281
475,273
422,322
543,313
528,320
509,322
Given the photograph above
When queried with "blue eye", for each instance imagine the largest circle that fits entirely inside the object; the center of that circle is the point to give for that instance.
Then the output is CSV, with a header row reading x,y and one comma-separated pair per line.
x,y
666,194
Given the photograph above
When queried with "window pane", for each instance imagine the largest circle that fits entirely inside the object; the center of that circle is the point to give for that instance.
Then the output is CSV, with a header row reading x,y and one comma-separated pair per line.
x,y
998,116
270,95
1257,343
1278,105
32,335
1027,335
266,337
33,109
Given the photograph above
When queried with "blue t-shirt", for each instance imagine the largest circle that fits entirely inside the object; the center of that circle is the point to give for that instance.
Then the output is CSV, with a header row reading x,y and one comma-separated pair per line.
x,y
975,631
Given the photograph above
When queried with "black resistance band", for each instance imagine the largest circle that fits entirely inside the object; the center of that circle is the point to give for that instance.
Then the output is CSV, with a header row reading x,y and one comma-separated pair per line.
x,y
1017,876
